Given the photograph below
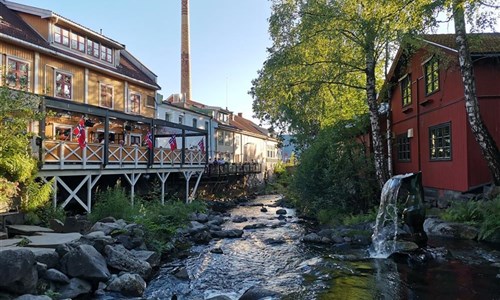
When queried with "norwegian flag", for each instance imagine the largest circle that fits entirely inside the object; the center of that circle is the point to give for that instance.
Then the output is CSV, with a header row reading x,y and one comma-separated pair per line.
x,y
201,144
173,143
79,132
149,140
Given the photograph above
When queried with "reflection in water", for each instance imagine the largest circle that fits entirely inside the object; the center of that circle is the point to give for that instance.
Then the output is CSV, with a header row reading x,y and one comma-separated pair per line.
x,y
303,272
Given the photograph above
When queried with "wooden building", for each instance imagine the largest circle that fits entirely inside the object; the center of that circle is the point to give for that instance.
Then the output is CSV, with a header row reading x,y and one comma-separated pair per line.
x,y
91,87
429,121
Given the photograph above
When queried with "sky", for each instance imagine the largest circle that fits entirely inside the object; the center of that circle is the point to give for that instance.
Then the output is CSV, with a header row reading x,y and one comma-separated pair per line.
x,y
229,41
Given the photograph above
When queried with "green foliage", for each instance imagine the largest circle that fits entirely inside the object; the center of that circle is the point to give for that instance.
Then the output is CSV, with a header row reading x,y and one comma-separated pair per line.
x,y
354,219
18,167
485,214
335,176
114,202
162,221
43,214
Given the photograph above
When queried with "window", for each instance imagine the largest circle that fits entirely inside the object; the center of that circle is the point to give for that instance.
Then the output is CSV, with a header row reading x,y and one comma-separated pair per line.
x,y
228,138
78,42
195,123
61,36
135,139
181,119
406,89
440,142
431,73
17,74
206,125
63,85
135,103
92,48
403,147
106,54
167,116
150,101
106,94
63,133
220,138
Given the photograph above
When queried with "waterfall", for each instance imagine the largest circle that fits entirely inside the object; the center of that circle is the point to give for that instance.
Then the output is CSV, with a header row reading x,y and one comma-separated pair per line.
x,y
386,225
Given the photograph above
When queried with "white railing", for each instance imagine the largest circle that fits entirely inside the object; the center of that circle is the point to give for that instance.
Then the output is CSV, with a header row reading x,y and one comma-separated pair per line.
x,y
65,153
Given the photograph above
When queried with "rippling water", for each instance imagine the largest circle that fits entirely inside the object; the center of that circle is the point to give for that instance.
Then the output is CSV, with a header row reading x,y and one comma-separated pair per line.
x,y
274,258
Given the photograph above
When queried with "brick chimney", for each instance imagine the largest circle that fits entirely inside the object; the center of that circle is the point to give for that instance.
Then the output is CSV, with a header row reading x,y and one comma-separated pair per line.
x,y
185,59
240,115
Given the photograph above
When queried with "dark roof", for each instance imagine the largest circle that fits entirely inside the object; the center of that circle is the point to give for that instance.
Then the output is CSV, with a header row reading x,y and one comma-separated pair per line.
x,y
478,42
13,25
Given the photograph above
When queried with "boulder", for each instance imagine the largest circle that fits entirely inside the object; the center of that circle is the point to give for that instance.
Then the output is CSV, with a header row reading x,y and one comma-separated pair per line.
x,y
312,238
108,220
107,228
436,226
85,262
181,273
195,227
18,271
62,249
219,297
216,220
56,225
263,209
96,239
74,288
151,257
76,224
255,226
217,251
239,219
281,211
199,217
56,276
119,258
132,237
281,217
202,237
33,297
233,233
256,293
46,256
128,284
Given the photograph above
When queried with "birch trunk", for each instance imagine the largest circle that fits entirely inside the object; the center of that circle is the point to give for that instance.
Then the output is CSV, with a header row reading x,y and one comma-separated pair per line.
x,y
371,96
488,146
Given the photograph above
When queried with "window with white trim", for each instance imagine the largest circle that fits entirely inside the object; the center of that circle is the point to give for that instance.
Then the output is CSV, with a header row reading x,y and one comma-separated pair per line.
x,y
17,75
64,85
440,142
106,95
135,103
195,123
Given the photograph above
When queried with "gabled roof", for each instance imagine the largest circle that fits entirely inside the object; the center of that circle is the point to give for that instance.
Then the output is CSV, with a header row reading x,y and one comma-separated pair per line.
x,y
15,29
248,126
479,43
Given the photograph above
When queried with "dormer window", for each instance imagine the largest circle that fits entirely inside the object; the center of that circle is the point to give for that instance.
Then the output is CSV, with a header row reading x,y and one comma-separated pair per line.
x,y
82,44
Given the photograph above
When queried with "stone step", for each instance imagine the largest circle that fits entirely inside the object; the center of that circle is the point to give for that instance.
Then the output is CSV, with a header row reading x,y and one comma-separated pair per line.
x,y
3,235
52,240
26,230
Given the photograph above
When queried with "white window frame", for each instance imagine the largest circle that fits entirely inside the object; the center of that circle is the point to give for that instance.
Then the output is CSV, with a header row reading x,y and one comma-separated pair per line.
x,y
135,135
112,95
130,93
65,126
9,57
55,84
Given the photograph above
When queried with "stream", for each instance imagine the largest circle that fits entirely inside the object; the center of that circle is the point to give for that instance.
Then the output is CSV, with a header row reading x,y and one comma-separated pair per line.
x,y
274,258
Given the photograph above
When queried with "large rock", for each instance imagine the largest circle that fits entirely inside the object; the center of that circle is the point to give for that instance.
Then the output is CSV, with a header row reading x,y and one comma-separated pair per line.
x,y
151,257
33,297
18,271
233,233
281,211
199,217
85,262
255,226
132,237
96,239
46,256
256,293
74,288
107,228
118,257
436,226
128,284
195,227
239,219
202,237
56,276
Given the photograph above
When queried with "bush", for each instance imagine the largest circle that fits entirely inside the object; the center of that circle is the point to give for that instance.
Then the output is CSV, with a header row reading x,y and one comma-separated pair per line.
x,y
352,219
484,214
113,202
336,174
162,221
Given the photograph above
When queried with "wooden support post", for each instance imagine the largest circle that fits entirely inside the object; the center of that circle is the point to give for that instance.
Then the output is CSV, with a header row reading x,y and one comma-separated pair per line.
x,y
90,184
163,178
187,175
200,173
132,181
54,191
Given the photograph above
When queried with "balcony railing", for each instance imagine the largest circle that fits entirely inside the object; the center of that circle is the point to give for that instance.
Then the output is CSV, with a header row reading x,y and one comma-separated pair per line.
x,y
69,155
215,170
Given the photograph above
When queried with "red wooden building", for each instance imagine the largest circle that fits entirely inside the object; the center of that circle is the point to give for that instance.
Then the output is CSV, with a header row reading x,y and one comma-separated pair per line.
x,y
429,122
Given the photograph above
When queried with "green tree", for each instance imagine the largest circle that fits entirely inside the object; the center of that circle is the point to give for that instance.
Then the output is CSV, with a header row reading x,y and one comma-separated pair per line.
x,y
18,167
326,63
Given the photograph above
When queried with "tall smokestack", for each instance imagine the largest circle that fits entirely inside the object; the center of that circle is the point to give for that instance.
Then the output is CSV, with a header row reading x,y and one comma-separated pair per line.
x,y
185,60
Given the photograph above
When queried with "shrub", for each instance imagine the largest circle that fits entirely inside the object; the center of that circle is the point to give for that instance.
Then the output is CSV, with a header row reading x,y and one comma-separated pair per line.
x,y
115,202
336,174
353,219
